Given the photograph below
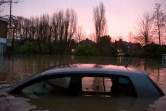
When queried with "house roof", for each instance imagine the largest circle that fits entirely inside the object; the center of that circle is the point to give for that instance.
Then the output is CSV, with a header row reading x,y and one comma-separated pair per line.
x,y
3,19
87,41
3,40
123,42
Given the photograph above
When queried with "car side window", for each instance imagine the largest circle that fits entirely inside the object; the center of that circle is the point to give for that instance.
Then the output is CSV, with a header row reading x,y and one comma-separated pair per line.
x,y
107,86
54,86
96,86
125,87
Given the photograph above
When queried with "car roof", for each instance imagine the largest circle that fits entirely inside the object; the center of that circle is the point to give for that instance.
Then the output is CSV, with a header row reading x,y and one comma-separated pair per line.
x,y
93,68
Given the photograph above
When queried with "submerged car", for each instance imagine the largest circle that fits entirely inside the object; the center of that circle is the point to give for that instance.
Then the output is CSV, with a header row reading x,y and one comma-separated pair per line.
x,y
89,80
80,87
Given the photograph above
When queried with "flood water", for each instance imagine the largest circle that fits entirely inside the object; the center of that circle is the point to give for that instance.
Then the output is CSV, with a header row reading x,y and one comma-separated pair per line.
x,y
18,68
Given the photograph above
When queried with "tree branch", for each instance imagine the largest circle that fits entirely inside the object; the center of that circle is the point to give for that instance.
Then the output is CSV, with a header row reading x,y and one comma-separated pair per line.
x,y
8,1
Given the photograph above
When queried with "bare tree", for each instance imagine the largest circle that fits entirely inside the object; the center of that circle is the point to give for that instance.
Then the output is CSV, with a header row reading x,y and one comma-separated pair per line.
x,y
99,21
73,24
54,24
27,27
130,37
120,37
80,35
145,32
58,26
20,28
60,29
36,25
160,22
92,36
45,22
64,24
2,2
32,28
8,1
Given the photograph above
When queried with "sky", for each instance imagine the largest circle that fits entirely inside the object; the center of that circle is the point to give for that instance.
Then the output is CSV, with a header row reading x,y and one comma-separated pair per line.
x,y
121,15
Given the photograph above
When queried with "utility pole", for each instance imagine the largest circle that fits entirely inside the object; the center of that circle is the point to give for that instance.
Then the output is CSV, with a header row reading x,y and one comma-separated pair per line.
x,y
10,13
9,40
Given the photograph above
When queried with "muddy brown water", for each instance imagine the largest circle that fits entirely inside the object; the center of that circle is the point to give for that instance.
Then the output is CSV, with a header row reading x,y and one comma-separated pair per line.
x,y
18,68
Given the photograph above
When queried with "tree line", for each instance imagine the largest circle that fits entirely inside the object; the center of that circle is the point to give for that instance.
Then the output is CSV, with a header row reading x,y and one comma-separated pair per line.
x,y
44,30
59,33
56,33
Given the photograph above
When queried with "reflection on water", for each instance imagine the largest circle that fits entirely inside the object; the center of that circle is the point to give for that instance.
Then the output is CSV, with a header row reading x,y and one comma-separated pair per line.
x,y
17,69
75,104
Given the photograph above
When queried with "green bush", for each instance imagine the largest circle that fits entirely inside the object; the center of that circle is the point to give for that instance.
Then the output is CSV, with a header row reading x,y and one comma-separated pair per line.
x,y
31,48
106,51
48,48
153,51
86,50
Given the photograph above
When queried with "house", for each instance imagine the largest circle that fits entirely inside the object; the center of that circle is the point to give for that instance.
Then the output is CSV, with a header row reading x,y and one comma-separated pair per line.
x,y
3,34
126,48
123,47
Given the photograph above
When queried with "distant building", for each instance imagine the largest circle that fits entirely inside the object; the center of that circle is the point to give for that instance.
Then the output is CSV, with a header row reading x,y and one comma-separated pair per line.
x,y
87,41
3,34
123,47
127,48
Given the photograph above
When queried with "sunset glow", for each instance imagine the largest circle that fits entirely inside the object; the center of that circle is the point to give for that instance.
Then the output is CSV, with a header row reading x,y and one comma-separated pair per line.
x,y
121,14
